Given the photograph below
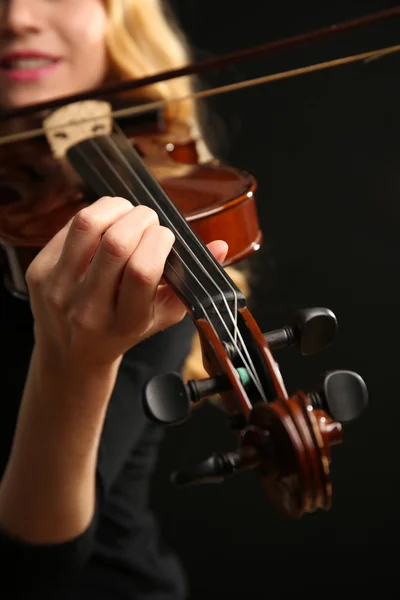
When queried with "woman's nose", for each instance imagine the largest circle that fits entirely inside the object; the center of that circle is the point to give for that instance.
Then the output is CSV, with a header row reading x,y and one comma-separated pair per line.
x,y
19,17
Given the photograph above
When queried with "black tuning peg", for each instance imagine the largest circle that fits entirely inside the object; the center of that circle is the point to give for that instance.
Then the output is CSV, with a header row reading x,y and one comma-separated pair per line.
x,y
167,400
217,467
212,470
310,329
343,395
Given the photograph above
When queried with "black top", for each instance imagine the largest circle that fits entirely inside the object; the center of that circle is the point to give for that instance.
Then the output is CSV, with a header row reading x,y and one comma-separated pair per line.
x,y
120,555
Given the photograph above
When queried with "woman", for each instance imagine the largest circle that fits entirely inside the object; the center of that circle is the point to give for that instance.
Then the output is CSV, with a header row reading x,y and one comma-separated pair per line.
x,y
77,453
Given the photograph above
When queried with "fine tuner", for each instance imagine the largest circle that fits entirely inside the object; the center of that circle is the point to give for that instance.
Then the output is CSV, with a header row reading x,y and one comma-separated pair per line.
x,y
340,399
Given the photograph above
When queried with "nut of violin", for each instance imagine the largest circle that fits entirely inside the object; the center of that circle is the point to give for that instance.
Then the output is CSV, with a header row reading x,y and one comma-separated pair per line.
x,y
75,123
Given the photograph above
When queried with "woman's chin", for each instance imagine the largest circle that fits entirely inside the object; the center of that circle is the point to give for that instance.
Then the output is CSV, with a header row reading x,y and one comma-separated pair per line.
x,y
19,96
10,101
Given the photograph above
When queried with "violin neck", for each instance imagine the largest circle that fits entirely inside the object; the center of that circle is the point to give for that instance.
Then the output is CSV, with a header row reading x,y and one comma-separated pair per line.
x,y
112,167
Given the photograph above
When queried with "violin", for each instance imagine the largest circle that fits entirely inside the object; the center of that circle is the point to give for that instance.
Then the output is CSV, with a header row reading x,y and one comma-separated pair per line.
x,y
82,153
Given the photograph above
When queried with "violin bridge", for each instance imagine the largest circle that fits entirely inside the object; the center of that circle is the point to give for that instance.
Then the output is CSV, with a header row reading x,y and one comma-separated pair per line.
x,y
75,123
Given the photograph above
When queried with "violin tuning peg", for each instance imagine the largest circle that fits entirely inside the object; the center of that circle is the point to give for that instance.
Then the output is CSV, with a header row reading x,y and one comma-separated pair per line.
x,y
343,395
217,467
310,329
211,470
167,400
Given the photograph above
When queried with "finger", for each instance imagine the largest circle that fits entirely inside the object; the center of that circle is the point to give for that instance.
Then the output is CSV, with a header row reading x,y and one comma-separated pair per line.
x,y
219,249
85,232
140,281
117,245
168,308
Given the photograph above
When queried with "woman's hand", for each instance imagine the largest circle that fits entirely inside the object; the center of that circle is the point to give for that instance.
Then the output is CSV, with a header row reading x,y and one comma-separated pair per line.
x,y
95,288
95,291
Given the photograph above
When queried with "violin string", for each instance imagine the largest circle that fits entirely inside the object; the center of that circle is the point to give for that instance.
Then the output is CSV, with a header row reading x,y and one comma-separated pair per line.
x,y
249,365
177,233
233,318
113,193
194,256
157,104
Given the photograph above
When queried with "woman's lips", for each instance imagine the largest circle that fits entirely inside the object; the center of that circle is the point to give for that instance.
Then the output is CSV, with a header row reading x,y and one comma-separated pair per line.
x,y
27,66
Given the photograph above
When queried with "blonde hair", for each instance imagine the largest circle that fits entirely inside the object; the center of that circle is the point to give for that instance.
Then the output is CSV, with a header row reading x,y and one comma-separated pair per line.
x,y
143,39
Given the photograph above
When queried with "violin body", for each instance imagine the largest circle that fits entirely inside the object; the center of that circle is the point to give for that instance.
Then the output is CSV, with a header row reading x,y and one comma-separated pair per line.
x,y
39,194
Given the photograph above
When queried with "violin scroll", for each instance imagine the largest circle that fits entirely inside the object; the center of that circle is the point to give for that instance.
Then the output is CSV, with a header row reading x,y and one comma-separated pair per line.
x,y
287,440
293,440
289,443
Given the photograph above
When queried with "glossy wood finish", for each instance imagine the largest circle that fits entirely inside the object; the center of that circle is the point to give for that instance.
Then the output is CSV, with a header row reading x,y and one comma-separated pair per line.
x,y
293,443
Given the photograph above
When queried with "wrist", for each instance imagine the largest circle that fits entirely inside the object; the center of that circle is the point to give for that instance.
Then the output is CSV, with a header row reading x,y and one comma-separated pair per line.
x,y
73,397
49,364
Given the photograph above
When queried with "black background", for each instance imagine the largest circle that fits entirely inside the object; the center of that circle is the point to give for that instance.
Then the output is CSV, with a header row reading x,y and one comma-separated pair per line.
x,y
325,150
